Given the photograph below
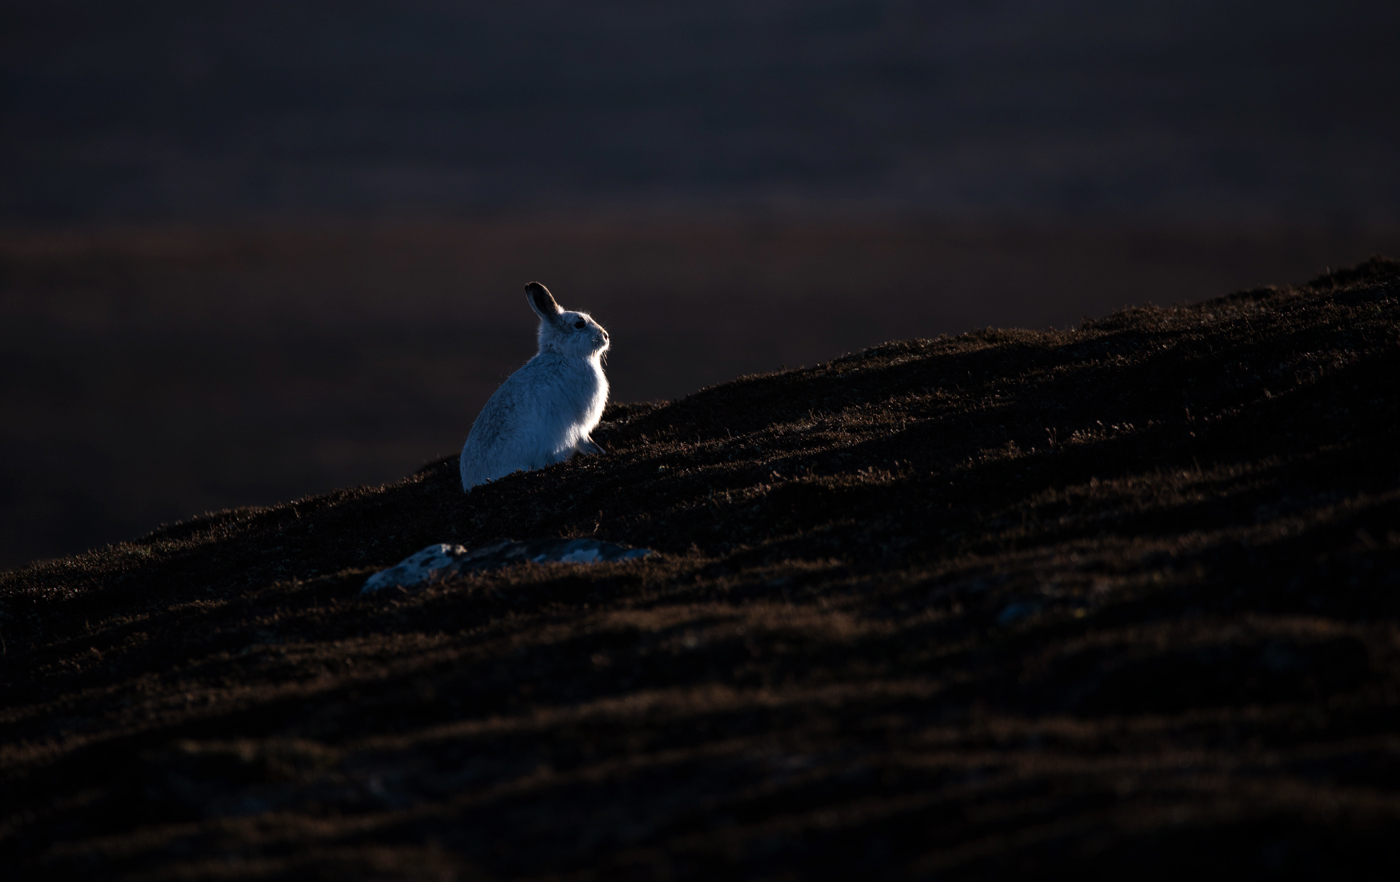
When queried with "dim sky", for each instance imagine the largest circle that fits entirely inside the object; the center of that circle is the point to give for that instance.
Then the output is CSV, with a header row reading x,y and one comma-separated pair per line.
x,y
1231,111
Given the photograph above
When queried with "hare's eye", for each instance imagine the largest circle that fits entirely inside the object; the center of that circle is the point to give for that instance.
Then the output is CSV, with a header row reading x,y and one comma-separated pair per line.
x,y
580,324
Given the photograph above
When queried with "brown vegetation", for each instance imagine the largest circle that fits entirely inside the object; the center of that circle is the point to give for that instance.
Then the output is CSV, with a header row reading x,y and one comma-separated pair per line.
x,y
149,374
1121,599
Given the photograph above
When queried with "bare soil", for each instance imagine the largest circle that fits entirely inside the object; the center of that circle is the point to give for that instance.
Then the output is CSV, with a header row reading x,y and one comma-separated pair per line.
x,y
1120,600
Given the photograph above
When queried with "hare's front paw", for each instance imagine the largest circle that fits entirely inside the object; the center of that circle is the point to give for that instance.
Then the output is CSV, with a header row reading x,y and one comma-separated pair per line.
x,y
589,447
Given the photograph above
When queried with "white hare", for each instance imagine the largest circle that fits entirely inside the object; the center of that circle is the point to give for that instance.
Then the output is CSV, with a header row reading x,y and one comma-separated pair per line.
x,y
544,412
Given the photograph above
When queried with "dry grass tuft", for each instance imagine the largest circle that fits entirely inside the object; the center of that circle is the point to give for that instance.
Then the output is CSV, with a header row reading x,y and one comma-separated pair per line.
x,y
1123,597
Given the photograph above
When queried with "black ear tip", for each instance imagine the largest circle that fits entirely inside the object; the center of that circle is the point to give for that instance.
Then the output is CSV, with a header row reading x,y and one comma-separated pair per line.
x,y
541,299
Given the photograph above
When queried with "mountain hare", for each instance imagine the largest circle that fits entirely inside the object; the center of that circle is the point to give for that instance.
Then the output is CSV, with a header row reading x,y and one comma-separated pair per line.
x,y
543,413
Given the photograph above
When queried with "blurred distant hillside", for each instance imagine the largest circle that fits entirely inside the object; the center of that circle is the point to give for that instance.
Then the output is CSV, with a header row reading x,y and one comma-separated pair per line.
x,y
1176,110
259,249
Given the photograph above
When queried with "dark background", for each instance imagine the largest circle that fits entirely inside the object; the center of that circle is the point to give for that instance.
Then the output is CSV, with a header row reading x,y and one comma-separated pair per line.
x,y
250,251
1174,110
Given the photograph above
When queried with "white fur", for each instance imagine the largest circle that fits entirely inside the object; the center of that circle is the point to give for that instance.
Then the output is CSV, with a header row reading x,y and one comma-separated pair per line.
x,y
544,412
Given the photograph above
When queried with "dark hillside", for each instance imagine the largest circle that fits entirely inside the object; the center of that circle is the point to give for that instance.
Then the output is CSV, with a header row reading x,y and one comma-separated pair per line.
x,y
1122,600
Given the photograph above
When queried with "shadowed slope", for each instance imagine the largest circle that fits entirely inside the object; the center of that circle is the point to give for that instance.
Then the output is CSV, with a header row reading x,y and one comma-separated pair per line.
x,y
1124,595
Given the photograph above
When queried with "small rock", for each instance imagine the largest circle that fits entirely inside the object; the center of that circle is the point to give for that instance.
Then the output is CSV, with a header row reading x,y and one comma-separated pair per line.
x,y
438,562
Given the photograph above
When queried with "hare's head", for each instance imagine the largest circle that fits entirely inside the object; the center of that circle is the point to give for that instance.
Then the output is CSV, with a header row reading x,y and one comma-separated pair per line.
x,y
568,333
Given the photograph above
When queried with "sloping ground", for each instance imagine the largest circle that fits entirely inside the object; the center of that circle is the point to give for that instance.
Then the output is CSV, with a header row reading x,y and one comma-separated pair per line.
x,y
1120,600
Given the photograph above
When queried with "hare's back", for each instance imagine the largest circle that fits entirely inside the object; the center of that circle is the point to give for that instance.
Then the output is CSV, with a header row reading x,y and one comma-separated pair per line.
x,y
518,427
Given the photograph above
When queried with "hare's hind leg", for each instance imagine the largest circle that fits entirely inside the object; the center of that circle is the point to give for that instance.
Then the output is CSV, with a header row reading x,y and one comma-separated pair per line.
x,y
588,446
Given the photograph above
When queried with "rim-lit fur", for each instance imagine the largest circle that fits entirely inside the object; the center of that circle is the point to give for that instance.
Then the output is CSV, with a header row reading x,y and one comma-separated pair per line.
x,y
544,412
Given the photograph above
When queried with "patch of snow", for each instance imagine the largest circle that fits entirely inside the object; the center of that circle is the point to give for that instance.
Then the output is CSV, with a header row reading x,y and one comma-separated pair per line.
x,y
432,564
438,562
581,555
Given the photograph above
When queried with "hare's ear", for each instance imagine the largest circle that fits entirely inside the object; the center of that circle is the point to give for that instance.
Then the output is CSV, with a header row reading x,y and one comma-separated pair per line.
x,y
542,302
